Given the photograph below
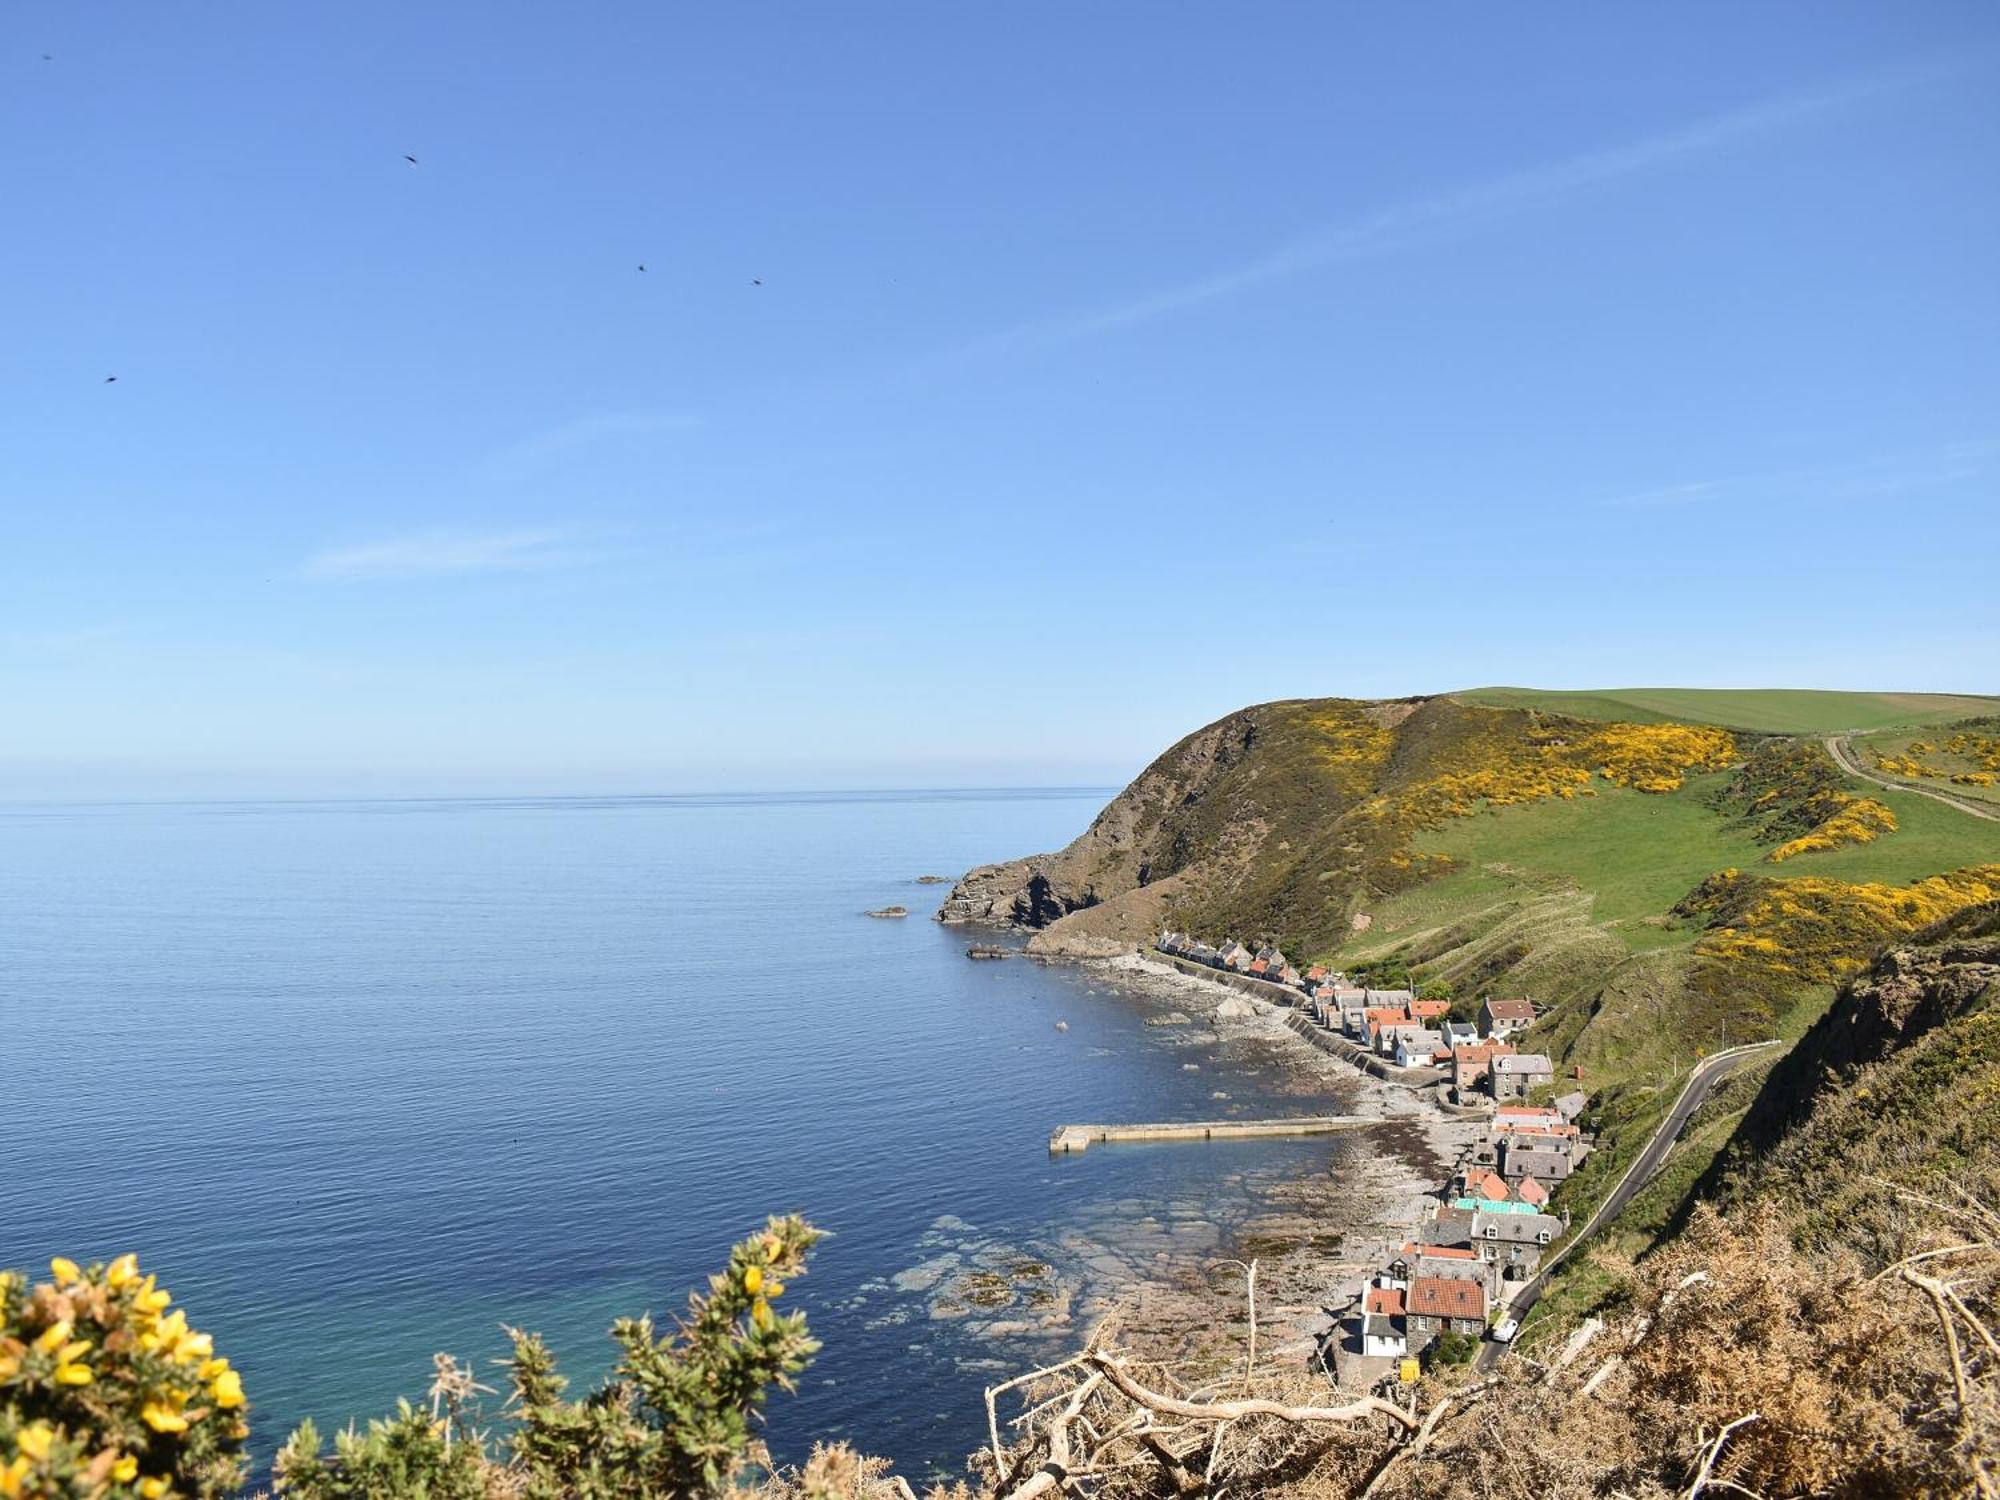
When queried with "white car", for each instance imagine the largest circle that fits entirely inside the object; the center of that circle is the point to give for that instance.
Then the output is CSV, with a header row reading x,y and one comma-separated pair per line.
x,y
1503,1331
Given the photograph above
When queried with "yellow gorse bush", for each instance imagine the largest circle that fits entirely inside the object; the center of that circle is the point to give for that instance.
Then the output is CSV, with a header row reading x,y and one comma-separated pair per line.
x,y
1819,930
105,1393
1352,748
1855,820
1653,758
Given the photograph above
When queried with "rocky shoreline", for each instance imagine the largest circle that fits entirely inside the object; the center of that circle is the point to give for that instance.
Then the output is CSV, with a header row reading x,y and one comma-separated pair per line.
x,y
1167,1277
1336,1231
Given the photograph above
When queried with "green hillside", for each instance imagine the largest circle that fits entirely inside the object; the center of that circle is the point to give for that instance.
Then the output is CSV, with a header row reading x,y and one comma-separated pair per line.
x,y
1756,710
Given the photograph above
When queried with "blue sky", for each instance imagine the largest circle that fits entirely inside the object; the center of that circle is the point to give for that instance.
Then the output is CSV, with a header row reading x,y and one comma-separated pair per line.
x,y
1113,366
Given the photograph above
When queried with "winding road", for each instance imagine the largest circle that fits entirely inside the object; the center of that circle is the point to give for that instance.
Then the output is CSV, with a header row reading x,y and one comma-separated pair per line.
x,y
1838,747
1701,1083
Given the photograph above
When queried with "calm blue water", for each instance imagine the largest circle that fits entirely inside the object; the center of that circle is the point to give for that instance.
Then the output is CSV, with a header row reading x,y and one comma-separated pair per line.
x,y
363,1080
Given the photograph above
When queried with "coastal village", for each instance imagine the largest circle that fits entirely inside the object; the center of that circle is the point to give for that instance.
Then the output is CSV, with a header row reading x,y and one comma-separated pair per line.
x,y
1483,1234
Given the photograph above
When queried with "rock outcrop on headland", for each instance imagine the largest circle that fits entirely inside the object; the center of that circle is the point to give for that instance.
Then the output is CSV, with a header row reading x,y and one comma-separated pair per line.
x,y
1198,823
1111,886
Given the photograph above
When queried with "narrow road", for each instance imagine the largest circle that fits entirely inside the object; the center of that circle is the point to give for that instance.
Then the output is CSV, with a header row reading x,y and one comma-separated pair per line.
x,y
1701,1083
1837,746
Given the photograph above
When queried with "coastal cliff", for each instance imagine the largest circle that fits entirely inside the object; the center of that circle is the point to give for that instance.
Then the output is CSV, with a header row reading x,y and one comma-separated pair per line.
x,y
1194,829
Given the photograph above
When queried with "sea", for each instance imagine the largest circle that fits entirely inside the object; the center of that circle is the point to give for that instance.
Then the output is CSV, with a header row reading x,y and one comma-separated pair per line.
x,y
364,1081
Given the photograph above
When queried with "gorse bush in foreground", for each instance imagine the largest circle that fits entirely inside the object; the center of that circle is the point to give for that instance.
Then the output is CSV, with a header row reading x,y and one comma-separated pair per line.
x,y
674,1419
106,1393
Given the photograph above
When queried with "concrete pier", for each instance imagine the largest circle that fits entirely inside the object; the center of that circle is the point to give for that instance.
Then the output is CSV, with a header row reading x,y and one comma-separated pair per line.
x,y
1072,1138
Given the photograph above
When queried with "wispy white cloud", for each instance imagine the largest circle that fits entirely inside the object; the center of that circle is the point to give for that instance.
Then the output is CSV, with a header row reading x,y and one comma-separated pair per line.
x,y
1881,476
583,432
1417,220
439,552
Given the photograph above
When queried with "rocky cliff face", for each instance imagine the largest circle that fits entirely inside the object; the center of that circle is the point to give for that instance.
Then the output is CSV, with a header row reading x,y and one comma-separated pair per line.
x,y
1224,808
1944,977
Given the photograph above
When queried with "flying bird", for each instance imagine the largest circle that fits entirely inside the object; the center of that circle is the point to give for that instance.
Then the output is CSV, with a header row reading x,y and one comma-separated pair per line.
x,y
756,281
410,159
642,268
111,380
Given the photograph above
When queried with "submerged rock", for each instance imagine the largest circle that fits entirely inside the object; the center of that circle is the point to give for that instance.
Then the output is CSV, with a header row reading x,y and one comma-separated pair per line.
x,y
889,911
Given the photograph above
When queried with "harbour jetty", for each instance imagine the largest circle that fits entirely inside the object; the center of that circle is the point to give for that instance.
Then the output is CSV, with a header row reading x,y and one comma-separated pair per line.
x,y
1075,1138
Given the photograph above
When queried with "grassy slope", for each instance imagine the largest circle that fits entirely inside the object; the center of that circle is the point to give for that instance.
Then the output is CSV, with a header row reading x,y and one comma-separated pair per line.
x,y
1572,901
1896,743
1763,710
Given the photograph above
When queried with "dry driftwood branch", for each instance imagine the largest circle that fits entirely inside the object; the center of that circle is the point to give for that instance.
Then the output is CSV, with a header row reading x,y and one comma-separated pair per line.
x,y
1054,1472
1911,1260
1935,1290
1423,1437
1253,1406
1713,1451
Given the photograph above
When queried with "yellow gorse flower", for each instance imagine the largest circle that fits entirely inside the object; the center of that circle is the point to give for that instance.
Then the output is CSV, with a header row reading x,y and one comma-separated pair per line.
x,y
54,1336
152,1488
34,1440
195,1346
162,1418
753,1280
74,1375
122,1272
126,1469
228,1389
65,1271
760,1314
11,1475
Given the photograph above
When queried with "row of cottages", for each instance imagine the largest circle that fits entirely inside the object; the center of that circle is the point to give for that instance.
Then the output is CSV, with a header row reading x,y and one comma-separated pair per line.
x,y
1530,1151
1492,1228
1259,963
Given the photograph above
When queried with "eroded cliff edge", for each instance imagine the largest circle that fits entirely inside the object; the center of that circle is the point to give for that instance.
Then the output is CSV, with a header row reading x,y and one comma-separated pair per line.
x,y
1232,807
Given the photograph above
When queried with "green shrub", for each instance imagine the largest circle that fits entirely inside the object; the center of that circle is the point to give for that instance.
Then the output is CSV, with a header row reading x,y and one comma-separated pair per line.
x,y
674,1419
1454,1348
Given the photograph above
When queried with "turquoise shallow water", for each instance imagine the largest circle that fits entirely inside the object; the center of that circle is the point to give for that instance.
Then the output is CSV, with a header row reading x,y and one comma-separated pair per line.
x,y
363,1080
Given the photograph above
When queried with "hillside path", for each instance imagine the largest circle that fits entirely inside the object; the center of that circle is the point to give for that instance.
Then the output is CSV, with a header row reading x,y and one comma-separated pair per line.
x,y
1701,1083
1837,746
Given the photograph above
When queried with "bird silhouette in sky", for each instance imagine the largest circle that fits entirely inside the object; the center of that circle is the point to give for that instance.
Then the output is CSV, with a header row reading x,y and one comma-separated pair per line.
x,y
642,268
756,281
111,380
411,160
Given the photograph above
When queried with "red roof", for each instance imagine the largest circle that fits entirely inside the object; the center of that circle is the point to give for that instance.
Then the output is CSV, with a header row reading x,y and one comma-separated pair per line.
x,y
1426,1010
1442,1252
1446,1297
1489,1185
1533,1192
1259,966
1511,1010
1389,1015
1386,1301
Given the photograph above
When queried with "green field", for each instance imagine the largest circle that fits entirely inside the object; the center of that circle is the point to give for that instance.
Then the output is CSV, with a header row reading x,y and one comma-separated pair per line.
x,y
1759,710
1896,744
1630,856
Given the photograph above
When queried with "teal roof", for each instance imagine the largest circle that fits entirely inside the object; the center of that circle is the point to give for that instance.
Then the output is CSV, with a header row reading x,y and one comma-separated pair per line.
x,y
1488,1206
